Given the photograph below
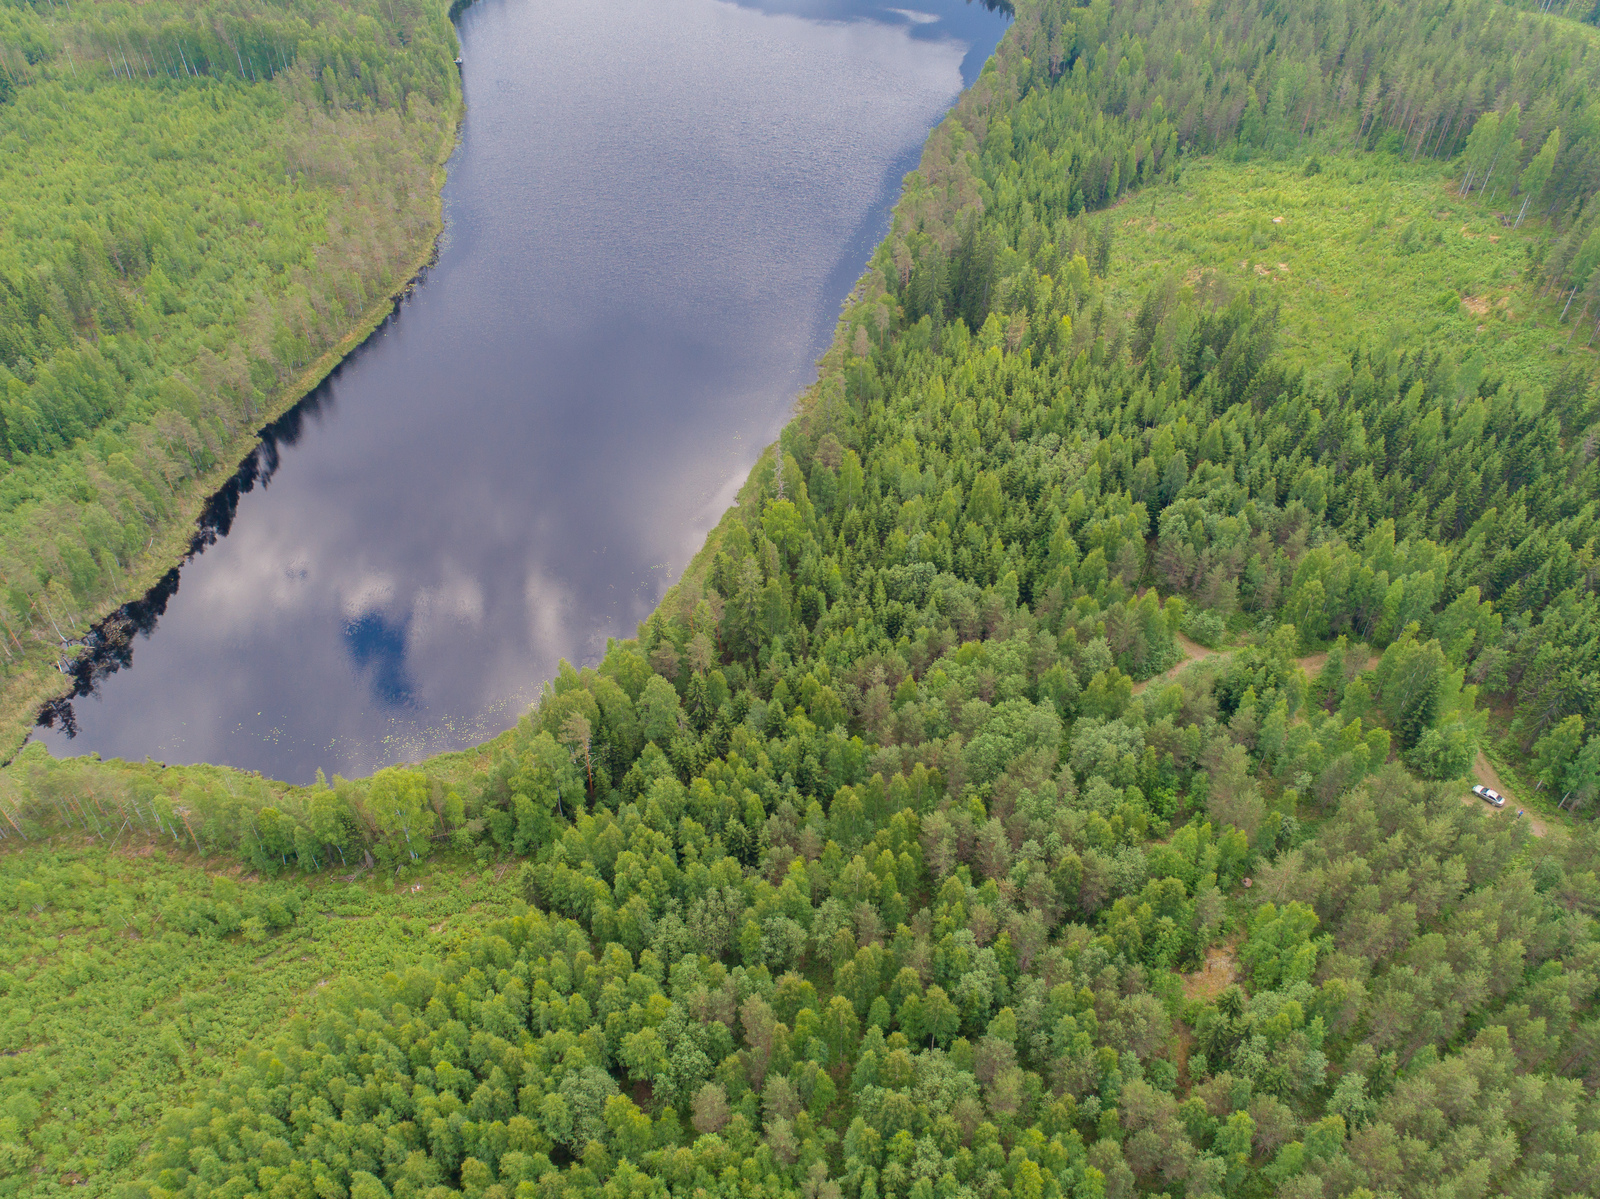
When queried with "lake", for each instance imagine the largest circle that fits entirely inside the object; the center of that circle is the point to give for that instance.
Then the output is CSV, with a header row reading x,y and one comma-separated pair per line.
x,y
652,217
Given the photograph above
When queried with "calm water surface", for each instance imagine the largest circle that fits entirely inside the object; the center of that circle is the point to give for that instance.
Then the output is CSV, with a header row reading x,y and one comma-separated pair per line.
x,y
652,217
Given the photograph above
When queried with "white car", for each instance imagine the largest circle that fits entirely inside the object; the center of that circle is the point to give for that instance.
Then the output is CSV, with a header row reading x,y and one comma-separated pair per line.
x,y
1489,796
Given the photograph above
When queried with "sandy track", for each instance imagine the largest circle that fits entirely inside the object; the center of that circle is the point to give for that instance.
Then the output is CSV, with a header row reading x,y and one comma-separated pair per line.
x,y
1312,664
1482,770
1486,774
1193,651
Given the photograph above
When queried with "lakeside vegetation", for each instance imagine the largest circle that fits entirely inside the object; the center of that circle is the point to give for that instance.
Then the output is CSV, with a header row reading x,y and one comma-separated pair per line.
x,y
204,206
131,979
903,853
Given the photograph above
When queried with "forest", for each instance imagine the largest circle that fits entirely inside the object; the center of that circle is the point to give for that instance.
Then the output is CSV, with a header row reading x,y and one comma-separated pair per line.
x,y
202,204
1050,779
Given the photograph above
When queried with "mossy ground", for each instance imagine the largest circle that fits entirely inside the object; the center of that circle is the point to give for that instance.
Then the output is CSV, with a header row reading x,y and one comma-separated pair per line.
x,y
1369,251
121,1001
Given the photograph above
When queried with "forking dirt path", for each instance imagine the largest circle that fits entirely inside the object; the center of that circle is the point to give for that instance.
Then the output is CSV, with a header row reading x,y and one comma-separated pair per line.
x,y
1482,770
1193,651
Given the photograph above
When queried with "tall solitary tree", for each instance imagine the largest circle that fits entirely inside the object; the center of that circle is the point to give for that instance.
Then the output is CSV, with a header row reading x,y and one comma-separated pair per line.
x,y
578,736
1537,173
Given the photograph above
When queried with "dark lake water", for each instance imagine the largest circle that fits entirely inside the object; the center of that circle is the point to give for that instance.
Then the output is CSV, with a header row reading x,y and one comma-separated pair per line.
x,y
653,215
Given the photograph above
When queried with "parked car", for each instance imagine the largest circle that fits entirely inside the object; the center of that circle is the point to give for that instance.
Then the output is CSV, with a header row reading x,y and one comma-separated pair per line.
x,y
1489,796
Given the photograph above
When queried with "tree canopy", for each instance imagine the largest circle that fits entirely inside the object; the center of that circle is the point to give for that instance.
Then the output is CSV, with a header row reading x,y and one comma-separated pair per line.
x,y
1048,780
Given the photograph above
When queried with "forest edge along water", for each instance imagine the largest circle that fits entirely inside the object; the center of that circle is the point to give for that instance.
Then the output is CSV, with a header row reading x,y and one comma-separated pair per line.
x,y
108,645
36,698
107,648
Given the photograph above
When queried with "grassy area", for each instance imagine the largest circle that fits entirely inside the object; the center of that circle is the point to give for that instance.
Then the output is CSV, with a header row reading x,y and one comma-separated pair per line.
x,y
133,975
1367,251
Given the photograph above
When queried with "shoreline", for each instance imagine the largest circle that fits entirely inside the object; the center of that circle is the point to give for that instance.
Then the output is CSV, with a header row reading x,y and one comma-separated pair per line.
x,y
16,726
36,688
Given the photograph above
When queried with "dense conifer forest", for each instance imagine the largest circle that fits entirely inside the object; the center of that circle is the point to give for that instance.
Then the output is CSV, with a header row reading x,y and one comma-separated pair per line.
x,y
200,202
1050,779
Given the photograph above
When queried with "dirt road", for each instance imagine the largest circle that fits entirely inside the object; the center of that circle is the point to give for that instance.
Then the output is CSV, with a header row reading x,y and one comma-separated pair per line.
x,y
1193,651
1486,774
1312,664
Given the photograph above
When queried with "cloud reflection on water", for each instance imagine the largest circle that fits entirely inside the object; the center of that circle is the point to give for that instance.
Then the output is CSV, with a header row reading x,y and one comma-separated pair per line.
x,y
655,209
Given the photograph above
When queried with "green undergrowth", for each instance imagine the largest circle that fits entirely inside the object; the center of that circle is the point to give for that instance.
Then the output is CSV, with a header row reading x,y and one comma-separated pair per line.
x,y
1360,250
132,975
